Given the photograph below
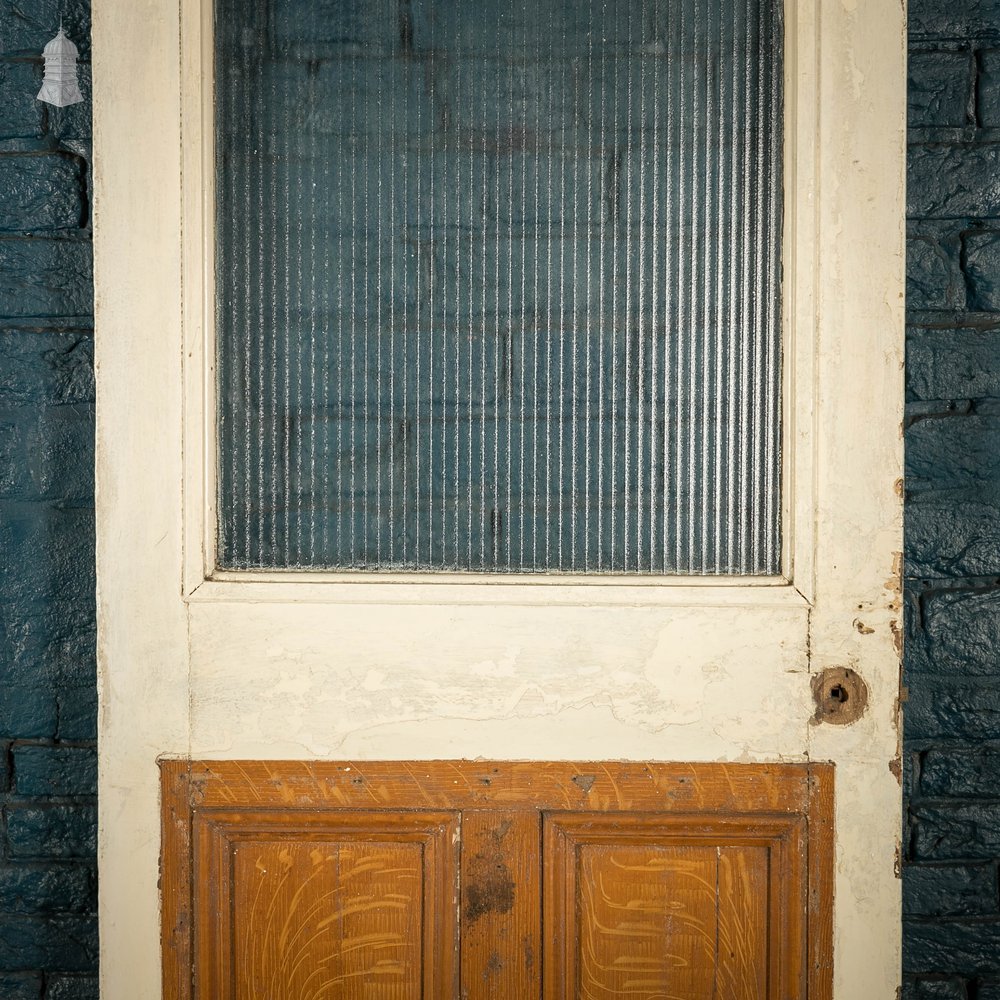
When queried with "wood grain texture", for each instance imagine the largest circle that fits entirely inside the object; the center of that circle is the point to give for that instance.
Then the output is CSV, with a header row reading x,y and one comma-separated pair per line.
x,y
821,848
720,899
325,906
314,921
501,904
462,784
176,882
742,928
646,923
584,881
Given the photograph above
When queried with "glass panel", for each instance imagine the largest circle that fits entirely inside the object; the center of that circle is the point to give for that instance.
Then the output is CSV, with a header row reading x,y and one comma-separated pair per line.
x,y
498,285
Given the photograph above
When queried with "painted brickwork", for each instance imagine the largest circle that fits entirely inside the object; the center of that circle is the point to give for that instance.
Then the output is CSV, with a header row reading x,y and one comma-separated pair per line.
x,y
952,719
48,764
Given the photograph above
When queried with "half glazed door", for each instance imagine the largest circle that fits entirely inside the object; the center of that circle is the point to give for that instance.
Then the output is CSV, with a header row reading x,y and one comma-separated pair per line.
x,y
508,382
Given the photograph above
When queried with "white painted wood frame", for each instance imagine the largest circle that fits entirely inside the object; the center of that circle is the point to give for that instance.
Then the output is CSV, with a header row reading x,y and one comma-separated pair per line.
x,y
194,662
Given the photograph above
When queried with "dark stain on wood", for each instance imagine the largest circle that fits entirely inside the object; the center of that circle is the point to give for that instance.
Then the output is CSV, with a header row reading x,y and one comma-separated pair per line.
x,y
489,887
494,966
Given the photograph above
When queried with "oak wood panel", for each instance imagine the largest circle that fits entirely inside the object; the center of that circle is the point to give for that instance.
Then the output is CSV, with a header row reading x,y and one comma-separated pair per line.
x,y
325,906
176,881
645,923
501,904
465,784
600,867
649,826
316,921
743,891
820,848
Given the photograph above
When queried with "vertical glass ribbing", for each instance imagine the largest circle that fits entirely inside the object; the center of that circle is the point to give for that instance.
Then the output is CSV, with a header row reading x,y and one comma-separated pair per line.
x,y
498,285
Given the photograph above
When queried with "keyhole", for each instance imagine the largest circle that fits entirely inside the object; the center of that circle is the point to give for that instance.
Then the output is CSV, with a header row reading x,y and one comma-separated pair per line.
x,y
839,693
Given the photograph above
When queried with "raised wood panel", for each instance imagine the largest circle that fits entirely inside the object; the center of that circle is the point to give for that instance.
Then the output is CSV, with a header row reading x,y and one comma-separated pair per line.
x,y
316,921
330,906
493,881
680,907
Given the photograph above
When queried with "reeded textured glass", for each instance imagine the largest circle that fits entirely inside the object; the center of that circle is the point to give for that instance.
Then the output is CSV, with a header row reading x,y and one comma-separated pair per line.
x,y
498,285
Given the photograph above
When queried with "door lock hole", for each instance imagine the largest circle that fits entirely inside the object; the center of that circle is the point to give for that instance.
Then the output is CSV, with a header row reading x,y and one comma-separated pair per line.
x,y
841,696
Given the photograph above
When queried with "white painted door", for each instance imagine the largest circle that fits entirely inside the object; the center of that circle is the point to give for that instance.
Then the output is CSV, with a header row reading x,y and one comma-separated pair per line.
x,y
209,664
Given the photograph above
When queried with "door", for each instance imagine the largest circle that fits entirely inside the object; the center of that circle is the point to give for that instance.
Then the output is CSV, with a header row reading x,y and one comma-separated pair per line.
x,y
788,658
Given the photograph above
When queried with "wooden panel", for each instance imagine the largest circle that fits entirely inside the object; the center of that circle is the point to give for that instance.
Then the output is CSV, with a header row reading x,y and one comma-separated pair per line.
x,y
315,921
646,923
341,880
690,908
327,906
471,784
742,923
501,905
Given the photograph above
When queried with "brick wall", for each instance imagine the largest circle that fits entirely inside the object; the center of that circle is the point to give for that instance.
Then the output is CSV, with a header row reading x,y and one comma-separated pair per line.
x,y
48,765
952,718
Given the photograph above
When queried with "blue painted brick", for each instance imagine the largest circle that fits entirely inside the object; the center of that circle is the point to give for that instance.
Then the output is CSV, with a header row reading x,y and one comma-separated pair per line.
x,y
933,274
46,277
56,943
27,711
988,90
72,988
4,767
48,888
963,948
77,707
48,453
938,988
46,367
21,116
981,255
962,363
49,553
950,890
953,181
959,634
955,831
26,27
61,452
947,19
953,533
952,772
20,985
43,770
42,192
13,474
939,88
954,451
48,640
946,708
43,831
